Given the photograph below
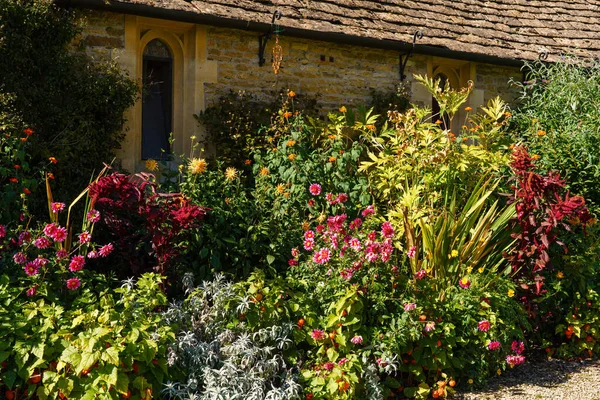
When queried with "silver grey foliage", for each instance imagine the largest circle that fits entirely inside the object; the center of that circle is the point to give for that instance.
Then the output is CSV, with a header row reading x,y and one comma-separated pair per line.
x,y
225,362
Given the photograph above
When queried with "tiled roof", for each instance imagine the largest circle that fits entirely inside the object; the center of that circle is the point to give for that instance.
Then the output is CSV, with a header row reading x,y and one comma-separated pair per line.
x,y
508,29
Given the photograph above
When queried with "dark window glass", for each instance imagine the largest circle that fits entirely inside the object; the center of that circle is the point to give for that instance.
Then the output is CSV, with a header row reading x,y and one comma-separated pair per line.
x,y
157,100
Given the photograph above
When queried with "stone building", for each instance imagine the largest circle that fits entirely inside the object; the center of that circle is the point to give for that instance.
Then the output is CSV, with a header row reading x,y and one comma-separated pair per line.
x,y
338,50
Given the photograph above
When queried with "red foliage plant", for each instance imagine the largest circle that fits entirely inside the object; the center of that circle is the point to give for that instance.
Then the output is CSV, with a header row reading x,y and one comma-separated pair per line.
x,y
145,225
543,207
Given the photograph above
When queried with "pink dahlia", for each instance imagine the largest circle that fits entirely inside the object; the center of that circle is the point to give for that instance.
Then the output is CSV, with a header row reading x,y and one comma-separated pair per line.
x,y
317,334
2,231
517,346
356,340
328,366
42,243
60,234
322,256
420,274
484,325
429,326
515,360
494,345
410,306
309,234
49,230
370,210
20,258
73,283
309,244
92,254
315,189
85,237
106,250
93,216
61,254
40,262
295,252
31,268
77,263
411,252
292,262
341,198
357,223
387,230
31,291
57,207
355,244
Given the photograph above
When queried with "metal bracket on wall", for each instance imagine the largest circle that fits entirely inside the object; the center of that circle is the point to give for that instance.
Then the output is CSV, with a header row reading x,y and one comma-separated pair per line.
x,y
403,58
543,56
264,38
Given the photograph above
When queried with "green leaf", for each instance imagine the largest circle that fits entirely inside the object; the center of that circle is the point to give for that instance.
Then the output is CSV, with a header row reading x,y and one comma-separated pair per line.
x,y
111,355
270,259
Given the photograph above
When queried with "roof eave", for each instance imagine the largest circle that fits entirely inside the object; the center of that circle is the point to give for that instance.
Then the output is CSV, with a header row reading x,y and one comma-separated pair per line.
x,y
192,17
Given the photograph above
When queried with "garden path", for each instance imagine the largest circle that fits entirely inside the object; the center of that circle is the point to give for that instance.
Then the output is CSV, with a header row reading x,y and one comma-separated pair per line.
x,y
551,380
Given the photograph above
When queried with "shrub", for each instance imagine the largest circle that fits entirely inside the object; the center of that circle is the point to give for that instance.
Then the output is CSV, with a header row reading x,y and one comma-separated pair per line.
x,y
557,120
255,218
73,106
231,342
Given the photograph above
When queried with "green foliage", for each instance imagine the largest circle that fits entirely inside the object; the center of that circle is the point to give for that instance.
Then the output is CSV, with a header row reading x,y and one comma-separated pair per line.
x,y
236,124
255,218
557,120
99,343
74,107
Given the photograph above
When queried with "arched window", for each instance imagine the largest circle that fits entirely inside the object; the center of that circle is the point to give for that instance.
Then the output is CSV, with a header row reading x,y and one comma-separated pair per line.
x,y
157,100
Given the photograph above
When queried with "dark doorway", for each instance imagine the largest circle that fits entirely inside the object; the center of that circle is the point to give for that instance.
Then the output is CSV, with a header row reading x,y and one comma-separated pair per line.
x,y
157,101
435,106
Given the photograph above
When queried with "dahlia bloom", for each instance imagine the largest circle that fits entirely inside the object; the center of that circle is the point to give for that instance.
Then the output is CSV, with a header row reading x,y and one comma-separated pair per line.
x,y
317,334
73,283
292,262
355,244
328,366
77,263
49,230
315,189
515,360
410,306
92,254
106,250
517,346
2,231
93,216
411,252
20,258
57,207
464,283
60,234
31,291
370,210
494,345
308,244
61,254
322,256
420,274
42,243
31,268
387,230
309,235
484,325
429,326
356,340
85,237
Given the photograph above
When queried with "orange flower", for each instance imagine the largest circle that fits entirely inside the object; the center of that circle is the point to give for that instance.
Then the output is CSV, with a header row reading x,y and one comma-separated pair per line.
x,y
508,114
439,122
465,127
53,160
287,114
341,151
28,131
370,127
264,171
50,175
290,143
26,191
451,136
332,137
535,157
291,93
332,159
23,139
541,133
13,180
468,109
248,162
305,226
343,109
291,157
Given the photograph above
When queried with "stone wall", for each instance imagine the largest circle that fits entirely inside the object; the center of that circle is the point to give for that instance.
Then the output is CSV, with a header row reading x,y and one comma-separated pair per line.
x,y
336,74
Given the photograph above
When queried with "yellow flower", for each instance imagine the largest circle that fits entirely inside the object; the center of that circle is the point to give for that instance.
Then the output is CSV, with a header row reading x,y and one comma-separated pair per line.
x,y
470,381
286,194
560,275
197,166
321,218
508,114
264,171
343,109
511,293
151,165
535,120
541,133
370,127
469,270
439,122
291,143
291,157
231,173
305,226
481,270
455,254
499,372
280,188
270,139
227,200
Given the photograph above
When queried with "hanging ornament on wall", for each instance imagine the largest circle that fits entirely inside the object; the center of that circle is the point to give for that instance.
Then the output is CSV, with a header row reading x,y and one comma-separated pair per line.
x,y
277,55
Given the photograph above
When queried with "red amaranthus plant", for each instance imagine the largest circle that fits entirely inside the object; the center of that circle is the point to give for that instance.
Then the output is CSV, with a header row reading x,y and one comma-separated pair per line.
x,y
544,209
138,216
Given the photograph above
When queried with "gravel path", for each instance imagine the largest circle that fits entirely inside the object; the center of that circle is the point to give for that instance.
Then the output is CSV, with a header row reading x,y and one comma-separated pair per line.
x,y
551,380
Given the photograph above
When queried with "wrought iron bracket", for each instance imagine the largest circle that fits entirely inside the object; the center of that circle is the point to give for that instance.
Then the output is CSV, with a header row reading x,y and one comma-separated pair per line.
x,y
543,56
403,58
264,38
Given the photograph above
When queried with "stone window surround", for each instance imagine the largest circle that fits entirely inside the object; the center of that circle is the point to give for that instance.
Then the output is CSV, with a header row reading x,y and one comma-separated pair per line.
x,y
191,70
